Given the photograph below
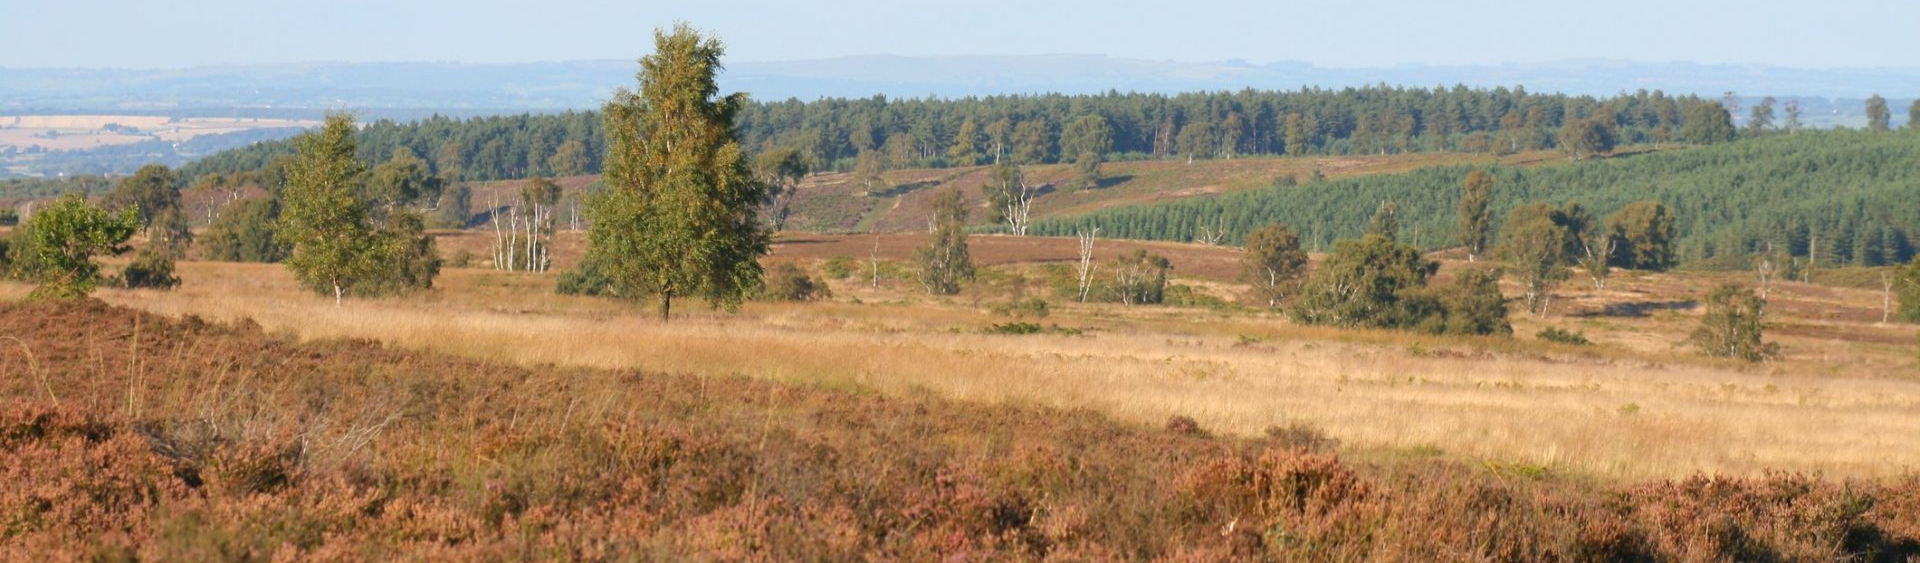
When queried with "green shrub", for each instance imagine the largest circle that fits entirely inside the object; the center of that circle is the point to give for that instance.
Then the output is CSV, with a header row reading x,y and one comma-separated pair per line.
x,y
838,267
1015,328
1907,286
1733,324
786,281
1188,296
587,278
56,247
150,270
1557,334
1475,306
1018,328
1365,283
244,232
1140,278
1301,435
461,259
1023,308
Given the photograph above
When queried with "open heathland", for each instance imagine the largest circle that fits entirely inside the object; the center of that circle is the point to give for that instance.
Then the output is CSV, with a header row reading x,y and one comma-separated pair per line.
x,y
133,436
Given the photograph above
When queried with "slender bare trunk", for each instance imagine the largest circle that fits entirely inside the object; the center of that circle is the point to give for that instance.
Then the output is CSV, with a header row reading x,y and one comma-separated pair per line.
x,y
1886,297
1086,261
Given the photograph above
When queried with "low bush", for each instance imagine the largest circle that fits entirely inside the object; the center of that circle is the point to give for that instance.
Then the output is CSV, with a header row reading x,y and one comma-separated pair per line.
x,y
786,281
149,270
1563,336
1023,328
587,278
1301,435
1032,307
838,267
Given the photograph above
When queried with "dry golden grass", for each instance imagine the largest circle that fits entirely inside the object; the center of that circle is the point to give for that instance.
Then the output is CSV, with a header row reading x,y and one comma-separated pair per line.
x,y
1636,407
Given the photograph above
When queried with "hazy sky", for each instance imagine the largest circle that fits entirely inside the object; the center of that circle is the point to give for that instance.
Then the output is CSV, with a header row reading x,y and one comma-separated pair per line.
x,y
1334,33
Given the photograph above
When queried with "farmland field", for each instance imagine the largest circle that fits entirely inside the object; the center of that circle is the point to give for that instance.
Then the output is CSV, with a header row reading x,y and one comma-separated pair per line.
x,y
78,132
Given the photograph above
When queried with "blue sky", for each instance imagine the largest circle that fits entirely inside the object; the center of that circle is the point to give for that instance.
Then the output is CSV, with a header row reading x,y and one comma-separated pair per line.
x,y
1335,33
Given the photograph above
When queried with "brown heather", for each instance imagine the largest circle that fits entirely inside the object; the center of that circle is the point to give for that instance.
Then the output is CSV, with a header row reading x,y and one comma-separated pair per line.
x,y
128,436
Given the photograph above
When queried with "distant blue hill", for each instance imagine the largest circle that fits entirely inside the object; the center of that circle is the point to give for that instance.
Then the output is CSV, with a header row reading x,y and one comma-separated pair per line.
x,y
458,88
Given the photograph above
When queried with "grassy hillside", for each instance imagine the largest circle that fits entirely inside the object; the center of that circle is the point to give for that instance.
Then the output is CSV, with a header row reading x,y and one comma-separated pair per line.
x,y
1855,192
834,203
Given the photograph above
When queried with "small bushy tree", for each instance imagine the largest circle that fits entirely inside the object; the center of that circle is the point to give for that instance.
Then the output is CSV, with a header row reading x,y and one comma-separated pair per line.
x,y
244,232
1644,233
1361,284
1705,123
151,191
781,170
150,269
1535,246
1140,278
1732,326
1906,283
55,248
1475,305
1086,140
943,261
337,247
789,282
1587,138
1476,219
1878,117
1274,263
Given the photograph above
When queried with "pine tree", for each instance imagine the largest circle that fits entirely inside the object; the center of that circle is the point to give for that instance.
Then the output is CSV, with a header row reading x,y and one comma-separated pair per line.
x,y
678,216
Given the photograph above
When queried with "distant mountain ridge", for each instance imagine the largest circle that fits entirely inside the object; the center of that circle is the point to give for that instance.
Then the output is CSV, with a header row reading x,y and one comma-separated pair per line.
x,y
492,88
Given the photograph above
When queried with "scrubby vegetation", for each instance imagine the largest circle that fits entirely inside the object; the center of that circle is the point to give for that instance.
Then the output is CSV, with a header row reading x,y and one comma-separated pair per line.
x,y
789,282
255,447
1563,336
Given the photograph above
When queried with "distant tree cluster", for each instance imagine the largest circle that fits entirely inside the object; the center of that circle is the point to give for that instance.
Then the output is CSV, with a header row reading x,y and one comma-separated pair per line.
x,y
452,150
872,135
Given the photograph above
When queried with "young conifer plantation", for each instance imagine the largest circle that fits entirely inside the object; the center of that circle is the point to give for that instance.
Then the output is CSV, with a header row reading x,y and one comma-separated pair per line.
x,y
1324,323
